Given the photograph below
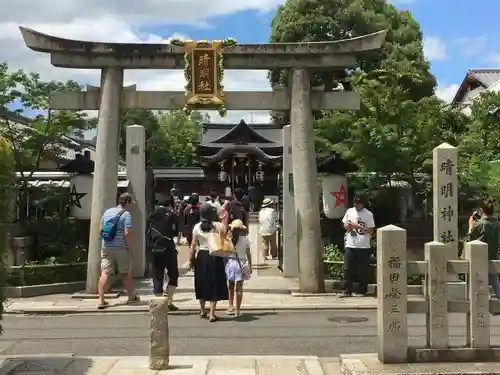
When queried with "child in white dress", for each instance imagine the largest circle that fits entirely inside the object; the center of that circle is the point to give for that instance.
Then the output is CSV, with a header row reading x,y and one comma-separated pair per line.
x,y
239,266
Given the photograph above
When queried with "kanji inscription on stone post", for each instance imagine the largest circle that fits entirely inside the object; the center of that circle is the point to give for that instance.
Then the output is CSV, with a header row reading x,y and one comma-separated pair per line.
x,y
445,193
392,294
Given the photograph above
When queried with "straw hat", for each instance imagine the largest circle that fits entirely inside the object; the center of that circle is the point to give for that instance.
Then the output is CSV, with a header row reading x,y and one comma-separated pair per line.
x,y
267,202
237,224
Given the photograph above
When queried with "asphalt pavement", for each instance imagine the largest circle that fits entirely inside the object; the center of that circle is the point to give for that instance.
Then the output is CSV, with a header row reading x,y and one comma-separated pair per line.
x,y
319,333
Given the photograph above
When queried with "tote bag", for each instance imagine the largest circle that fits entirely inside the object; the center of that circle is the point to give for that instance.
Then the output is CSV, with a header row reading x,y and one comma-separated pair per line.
x,y
219,244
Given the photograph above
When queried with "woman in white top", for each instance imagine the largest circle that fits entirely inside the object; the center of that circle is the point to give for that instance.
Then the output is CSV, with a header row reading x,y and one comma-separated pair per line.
x,y
209,274
239,266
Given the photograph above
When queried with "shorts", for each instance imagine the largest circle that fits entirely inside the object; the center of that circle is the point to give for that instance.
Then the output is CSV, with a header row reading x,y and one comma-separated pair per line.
x,y
111,258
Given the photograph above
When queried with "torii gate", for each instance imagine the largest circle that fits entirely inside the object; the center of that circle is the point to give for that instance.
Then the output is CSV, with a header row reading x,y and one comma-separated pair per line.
x,y
111,98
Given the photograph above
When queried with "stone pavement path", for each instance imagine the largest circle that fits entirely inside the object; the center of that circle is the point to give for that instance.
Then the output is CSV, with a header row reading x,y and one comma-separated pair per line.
x,y
187,302
180,365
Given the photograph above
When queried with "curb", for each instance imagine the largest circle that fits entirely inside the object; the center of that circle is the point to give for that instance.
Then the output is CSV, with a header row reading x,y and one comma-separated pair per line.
x,y
131,309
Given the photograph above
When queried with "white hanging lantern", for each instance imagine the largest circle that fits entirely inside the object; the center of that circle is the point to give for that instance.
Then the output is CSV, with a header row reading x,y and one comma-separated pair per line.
x,y
221,175
334,196
259,175
80,195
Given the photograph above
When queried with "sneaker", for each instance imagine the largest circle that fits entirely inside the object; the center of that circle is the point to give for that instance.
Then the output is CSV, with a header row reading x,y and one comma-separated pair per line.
x,y
172,307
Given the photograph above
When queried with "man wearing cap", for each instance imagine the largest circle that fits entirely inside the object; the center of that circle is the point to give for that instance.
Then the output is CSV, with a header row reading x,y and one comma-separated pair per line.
x,y
117,251
359,225
268,226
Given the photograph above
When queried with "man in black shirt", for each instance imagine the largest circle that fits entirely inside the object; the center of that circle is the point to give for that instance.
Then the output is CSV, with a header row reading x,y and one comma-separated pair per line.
x,y
163,226
239,207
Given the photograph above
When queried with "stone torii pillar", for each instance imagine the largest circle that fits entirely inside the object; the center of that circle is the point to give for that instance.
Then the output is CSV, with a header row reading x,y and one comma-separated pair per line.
x,y
300,57
106,166
304,180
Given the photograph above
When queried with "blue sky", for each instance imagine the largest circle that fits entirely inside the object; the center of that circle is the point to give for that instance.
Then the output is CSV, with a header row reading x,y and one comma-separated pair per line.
x,y
459,34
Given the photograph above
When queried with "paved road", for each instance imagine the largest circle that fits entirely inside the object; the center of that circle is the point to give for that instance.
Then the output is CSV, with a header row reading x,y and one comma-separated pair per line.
x,y
321,333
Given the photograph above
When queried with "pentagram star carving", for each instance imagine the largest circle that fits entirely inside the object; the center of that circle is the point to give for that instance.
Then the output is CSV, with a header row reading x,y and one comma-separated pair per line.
x,y
74,197
339,195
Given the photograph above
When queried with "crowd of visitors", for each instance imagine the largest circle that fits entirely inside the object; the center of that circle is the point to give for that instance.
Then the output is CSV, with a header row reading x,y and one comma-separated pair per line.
x,y
217,233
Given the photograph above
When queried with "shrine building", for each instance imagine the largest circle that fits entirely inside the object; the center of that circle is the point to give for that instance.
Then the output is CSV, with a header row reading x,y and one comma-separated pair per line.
x,y
230,157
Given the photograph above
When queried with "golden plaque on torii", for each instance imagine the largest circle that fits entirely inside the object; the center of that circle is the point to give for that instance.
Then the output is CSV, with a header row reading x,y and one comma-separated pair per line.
x,y
204,87
204,70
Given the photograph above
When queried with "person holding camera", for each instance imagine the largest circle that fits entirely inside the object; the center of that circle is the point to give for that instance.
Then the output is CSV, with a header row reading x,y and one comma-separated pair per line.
x,y
483,227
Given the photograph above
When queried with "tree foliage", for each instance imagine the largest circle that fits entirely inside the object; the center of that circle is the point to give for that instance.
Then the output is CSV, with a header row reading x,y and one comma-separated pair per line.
x,y
173,144
33,139
298,20
479,149
400,120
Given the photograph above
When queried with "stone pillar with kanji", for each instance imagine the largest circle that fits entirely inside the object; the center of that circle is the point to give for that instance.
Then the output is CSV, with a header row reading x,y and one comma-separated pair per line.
x,y
445,198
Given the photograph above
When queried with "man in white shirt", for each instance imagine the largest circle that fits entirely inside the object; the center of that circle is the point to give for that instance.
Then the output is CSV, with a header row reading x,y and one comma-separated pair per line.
x,y
359,225
268,225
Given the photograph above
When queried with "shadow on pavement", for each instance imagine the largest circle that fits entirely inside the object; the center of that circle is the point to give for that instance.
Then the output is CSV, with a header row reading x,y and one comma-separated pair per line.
x,y
62,365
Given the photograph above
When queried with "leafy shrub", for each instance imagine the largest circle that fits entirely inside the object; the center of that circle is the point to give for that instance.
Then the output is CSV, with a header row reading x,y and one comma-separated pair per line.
x,y
333,260
38,274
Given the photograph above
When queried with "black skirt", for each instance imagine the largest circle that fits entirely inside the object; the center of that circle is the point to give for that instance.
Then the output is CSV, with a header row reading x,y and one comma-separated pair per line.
x,y
210,282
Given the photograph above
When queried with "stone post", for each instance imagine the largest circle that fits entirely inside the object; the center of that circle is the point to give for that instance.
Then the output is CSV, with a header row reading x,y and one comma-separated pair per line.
x,y
304,181
476,252
106,166
392,325
437,317
445,198
136,175
290,249
159,345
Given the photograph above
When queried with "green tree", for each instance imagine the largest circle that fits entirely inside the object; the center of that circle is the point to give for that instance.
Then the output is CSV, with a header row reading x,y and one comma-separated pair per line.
x,y
146,118
400,121
173,144
479,163
32,140
299,20
7,178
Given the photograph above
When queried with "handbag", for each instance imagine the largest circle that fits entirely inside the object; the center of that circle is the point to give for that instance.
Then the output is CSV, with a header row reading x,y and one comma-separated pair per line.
x,y
219,244
244,268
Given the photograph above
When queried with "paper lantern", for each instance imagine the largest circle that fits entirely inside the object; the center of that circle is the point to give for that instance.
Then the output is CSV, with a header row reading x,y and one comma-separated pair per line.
x,y
80,196
334,196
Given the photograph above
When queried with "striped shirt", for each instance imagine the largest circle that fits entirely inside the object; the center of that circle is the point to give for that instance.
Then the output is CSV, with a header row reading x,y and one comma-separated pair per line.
x,y
125,221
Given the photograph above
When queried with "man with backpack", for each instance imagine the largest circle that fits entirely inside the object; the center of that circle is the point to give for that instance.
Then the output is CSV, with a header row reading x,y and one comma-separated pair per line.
x,y
116,226
162,224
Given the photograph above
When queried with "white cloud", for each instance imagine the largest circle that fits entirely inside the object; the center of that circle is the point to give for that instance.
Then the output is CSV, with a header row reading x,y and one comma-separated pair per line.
x,y
121,21
447,93
434,48
471,46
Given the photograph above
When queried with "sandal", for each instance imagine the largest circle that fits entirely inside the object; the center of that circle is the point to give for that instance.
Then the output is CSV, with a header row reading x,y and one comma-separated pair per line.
x,y
203,314
102,305
230,311
213,319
